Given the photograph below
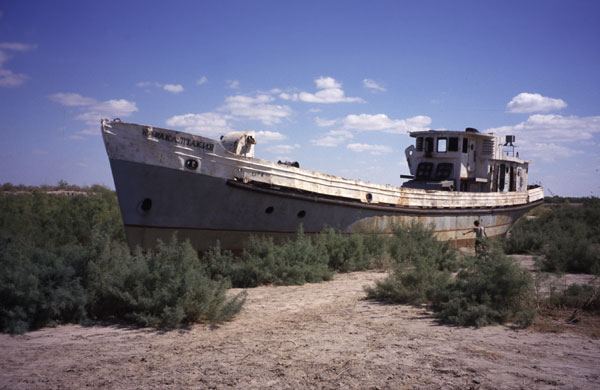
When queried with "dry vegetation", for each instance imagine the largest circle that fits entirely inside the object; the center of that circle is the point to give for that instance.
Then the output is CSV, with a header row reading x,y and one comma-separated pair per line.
x,y
64,260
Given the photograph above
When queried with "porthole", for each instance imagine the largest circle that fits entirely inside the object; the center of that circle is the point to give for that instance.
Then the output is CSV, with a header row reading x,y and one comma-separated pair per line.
x,y
301,214
269,210
191,164
146,204
369,197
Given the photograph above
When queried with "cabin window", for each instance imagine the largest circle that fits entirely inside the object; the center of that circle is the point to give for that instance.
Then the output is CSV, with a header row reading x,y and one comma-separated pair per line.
x,y
453,144
424,170
465,145
443,171
442,144
428,145
419,144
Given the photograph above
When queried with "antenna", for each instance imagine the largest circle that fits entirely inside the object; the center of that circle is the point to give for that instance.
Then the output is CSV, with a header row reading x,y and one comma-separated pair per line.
x,y
509,142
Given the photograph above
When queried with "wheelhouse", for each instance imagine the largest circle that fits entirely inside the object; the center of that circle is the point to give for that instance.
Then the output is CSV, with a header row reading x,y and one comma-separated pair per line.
x,y
467,161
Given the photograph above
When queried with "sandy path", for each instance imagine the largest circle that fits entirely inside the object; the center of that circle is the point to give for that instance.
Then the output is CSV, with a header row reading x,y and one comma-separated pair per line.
x,y
313,336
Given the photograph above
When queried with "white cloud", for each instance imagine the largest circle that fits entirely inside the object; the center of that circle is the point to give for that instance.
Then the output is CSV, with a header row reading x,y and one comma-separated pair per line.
x,y
71,99
8,78
233,84
265,136
525,103
381,122
549,136
550,151
256,108
108,109
552,128
372,149
372,85
202,80
281,149
208,123
173,88
145,84
16,46
94,110
332,138
330,92
321,122
289,96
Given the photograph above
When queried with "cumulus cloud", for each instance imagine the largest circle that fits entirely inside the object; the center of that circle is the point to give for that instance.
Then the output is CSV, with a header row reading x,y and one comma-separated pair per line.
x,y
525,103
330,91
549,136
282,149
233,84
202,80
8,78
94,110
372,149
321,122
289,96
381,122
550,151
173,88
372,85
256,108
71,99
265,136
552,128
332,138
208,123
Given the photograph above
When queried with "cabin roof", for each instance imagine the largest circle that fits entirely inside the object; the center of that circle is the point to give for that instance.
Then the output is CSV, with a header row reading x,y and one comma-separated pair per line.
x,y
450,133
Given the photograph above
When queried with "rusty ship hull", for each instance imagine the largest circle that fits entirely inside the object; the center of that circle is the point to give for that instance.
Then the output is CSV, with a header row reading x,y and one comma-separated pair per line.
x,y
168,181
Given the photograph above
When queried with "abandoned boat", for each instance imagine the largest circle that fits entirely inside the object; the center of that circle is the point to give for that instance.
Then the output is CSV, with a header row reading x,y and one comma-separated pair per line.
x,y
209,190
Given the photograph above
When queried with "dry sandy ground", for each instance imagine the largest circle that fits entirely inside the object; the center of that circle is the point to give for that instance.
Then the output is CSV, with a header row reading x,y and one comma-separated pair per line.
x,y
315,336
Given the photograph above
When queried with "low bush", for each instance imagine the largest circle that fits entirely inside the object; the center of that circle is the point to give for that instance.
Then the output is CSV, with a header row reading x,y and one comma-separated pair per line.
x,y
296,261
345,252
488,289
420,263
492,289
576,296
566,236
167,287
102,281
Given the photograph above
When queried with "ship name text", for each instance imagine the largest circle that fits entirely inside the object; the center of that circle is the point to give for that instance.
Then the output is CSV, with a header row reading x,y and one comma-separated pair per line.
x,y
178,139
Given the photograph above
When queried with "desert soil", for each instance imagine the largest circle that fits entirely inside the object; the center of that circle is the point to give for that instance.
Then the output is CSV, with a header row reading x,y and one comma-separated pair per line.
x,y
324,336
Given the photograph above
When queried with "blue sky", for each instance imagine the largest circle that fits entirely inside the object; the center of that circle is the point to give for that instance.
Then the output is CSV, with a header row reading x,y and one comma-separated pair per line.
x,y
335,85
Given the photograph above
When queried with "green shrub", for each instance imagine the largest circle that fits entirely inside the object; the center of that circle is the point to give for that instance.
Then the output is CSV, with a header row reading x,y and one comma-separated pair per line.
x,y
566,236
492,289
420,263
489,289
295,261
575,296
167,287
346,252
38,288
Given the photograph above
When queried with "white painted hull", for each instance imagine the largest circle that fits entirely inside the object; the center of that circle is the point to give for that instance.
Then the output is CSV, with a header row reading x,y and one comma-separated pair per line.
x,y
228,197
